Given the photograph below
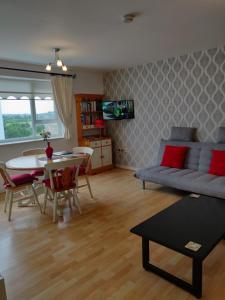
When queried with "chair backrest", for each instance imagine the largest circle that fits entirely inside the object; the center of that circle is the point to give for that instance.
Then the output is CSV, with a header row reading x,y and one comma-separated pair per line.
x,y
63,174
85,150
34,151
5,175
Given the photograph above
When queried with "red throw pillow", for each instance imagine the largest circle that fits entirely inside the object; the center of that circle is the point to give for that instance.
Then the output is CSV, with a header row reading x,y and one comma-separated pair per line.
x,y
217,165
174,156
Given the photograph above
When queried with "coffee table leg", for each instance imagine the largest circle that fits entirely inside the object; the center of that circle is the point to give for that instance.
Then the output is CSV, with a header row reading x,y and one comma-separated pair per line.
x,y
197,277
145,253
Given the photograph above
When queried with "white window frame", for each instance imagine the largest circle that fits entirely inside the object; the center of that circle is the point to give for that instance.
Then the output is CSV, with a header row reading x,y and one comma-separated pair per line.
x,y
34,122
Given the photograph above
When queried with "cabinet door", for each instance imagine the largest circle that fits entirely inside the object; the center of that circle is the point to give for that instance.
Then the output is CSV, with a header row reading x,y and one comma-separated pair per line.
x,y
96,161
106,155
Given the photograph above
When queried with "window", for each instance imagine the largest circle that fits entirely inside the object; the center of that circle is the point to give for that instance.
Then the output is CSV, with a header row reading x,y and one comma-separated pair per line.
x,y
26,108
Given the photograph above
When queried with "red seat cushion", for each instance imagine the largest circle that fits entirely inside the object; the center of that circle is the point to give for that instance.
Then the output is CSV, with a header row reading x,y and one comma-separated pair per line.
x,y
217,165
64,180
37,173
21,179
174,156
59,186
81,170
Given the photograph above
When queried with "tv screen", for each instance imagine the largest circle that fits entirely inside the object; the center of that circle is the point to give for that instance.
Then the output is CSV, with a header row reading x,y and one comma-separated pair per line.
x,y
118,110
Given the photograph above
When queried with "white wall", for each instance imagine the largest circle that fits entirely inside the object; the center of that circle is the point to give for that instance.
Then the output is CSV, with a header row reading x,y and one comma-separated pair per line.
x,y
86,81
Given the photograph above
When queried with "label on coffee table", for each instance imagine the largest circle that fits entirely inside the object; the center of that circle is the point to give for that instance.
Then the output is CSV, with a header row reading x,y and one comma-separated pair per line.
x,y
193,246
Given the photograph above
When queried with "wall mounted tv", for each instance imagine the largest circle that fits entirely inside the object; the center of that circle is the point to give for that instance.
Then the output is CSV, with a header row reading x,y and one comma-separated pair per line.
x,y
118,109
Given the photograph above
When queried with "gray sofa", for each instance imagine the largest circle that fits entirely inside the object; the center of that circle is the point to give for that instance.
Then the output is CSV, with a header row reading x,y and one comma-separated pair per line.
x,y
194,177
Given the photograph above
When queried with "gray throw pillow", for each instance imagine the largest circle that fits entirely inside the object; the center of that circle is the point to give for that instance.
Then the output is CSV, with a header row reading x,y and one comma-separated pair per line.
x,y
185,134
221,135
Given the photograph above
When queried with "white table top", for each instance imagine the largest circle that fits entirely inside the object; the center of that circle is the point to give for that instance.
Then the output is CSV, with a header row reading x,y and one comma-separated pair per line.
x,y
31,162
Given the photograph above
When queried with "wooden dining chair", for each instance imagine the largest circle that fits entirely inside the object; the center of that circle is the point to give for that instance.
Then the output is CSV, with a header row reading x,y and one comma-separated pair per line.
x,y
61,183
14,185
85,166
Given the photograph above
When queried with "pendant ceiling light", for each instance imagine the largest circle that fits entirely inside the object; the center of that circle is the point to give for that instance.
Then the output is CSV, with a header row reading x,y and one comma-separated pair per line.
x,y
57,62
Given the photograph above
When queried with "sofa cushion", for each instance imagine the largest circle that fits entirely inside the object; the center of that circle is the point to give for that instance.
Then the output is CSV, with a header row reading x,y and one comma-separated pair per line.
x,y
217,165
204,183
163,175
192,156
182,134
185,179
174,156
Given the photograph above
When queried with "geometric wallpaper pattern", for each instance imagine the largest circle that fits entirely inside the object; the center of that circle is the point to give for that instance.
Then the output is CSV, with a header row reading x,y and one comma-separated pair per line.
x,y
188,90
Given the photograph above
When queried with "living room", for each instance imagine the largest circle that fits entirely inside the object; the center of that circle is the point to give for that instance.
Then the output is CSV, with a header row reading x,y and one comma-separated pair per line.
x,y
145,78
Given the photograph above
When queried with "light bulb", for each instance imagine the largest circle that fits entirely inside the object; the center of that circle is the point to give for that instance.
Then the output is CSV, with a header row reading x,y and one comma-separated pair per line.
x,y
48,67
64,68
59,63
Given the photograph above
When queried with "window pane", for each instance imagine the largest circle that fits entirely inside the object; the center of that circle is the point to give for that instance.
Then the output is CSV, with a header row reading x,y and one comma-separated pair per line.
x,y
15,119
45,110
54,128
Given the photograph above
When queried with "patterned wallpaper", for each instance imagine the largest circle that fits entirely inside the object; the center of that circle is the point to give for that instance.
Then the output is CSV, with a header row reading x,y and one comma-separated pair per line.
x,y
188,90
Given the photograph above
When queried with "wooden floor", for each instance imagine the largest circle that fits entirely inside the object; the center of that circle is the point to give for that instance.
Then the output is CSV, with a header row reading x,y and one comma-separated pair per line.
x,y
94,256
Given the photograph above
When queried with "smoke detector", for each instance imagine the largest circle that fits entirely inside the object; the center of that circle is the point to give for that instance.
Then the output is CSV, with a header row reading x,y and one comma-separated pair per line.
x,y
128,18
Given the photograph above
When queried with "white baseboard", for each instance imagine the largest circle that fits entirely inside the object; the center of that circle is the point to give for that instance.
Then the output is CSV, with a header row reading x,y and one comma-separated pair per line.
x,y
126,167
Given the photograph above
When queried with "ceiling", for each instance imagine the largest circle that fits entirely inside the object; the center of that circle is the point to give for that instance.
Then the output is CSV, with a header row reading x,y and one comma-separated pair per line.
x,y
92,35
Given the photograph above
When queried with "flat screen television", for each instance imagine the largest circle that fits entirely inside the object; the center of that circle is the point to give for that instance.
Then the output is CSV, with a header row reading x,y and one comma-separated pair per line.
x,y
118,110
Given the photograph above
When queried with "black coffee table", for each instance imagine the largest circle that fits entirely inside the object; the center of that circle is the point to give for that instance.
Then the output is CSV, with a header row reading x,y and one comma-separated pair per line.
x,y
201,220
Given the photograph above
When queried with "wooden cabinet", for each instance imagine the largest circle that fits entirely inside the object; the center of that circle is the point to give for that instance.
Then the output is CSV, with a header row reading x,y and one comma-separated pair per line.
x,y
88,110
102,156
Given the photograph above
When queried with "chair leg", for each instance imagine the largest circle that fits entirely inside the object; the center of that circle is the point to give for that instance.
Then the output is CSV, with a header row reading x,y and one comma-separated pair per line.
x,y
36,198
69,200
6,200
89,186
74,191
45,200
77,184
76,201
10,204
55,206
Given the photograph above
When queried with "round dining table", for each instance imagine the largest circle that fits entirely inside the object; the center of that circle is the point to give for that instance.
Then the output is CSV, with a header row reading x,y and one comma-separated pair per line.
x,y
34,162
30,162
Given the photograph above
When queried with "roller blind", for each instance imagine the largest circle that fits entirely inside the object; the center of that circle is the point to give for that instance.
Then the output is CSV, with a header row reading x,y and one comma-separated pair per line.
x,y
17,88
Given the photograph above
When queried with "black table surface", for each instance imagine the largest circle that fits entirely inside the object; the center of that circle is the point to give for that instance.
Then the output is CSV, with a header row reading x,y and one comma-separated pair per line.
x,y
200,220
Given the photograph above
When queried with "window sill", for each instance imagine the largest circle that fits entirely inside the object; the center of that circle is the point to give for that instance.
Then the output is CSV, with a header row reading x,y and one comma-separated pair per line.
x,y
29,141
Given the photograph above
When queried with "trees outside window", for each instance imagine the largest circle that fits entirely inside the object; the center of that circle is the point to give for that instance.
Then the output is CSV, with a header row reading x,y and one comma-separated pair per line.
x,y
25,119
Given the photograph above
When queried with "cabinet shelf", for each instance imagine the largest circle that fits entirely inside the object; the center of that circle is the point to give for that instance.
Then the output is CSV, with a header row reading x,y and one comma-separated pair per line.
x,y
91,128
91,112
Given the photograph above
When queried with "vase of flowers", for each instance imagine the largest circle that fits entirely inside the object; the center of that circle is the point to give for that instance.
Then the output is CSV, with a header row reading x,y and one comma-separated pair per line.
x,y
49,150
